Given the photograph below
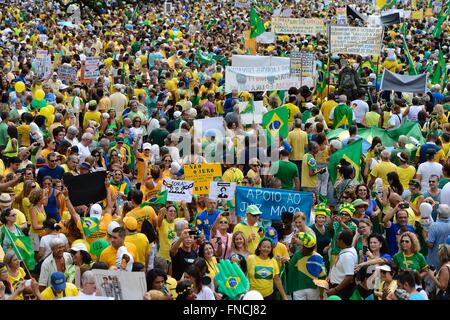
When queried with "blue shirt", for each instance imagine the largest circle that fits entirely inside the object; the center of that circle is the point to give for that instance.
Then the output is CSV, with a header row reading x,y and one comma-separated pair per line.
x,y
391,236
205,222
56,173
416,296
437,234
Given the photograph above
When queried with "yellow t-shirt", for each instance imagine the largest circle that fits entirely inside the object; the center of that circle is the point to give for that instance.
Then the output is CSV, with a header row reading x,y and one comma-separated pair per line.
x,y
248,230
326,108
142,246
261,274
166,236
293,109
279,251
109,255
41,216
298,139
21,218
140,214
405,175
381,170
26,204
16,280
212,268
70,291
141,165
24,132
91,115
233,175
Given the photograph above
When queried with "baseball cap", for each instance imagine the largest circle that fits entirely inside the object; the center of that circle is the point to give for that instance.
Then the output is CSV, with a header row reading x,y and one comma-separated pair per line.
x,y
95,211
272,234
130,223
359,202
58,281
309,105
113,225
147,146
253,210
384,267
79,247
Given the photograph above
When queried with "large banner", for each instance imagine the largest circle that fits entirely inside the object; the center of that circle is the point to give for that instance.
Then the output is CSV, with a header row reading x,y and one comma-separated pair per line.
x,y
273,202
403,83
202,175
240,60
355,40
259,78
121,285
178,190
297,26
255,115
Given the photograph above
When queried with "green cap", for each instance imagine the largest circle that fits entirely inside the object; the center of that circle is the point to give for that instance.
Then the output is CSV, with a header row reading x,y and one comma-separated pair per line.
x,y
253,210
359,202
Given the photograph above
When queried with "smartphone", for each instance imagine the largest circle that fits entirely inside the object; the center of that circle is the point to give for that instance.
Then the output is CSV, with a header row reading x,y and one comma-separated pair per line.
x,y
192,232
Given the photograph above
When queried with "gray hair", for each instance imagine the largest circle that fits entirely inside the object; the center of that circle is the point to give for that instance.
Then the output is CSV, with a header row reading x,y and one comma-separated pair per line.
x,y
87,135
72,130
160,263
342,98
58,117
87,276
8,257
403,139
336,144
56,242
180,225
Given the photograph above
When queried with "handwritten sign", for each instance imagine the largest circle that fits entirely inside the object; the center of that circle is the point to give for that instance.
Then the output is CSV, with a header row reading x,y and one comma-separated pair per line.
x,y
273,202
202,175
302,63
91,68
222,190
355,40
43,64
178,190
67,73
297,26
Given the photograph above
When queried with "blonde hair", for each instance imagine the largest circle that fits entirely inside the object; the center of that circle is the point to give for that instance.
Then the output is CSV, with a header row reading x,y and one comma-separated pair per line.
x,y
35,196
415,245
299,215
238,233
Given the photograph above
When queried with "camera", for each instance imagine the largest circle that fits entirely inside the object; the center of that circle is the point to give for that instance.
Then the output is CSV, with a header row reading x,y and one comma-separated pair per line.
x,y
404,205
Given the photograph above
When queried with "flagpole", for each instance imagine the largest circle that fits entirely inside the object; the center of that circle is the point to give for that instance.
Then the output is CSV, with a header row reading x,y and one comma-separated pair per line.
x,y
17,251
378,64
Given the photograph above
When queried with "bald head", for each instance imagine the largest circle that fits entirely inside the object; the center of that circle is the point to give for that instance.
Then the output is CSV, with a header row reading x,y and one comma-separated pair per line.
x,y
342,98
385,154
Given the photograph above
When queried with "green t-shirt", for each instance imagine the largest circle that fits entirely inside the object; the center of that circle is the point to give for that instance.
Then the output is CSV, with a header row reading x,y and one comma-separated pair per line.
x,y
301,274
285,171
415,262
443,182
337,229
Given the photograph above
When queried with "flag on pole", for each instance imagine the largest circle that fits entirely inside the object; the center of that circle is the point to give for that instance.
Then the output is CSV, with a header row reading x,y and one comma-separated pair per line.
x,y
437,31
323,76
256,25
352,154
411,67
160,198
249,108
441,70
90,225
276,121
136,12
22,246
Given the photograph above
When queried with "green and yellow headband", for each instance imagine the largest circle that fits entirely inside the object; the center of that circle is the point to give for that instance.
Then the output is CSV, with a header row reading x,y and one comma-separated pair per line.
x,y
321,209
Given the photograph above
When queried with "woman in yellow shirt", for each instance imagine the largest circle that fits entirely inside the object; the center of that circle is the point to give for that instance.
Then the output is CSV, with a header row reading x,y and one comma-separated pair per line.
x,y
206,251
166,230
26,204
16,274
38,199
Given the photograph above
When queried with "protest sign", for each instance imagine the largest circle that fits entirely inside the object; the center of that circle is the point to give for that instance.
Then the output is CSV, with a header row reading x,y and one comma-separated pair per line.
x,y
43,38
67,73
222,190
297,26
208,127
403,83
242,4
87,188
417,15
355,40
121,285
266,38
249,42
238,60
428,13
255,115
178,190
91,68
374,21
202,175
167,7
260,78
272,202
341,16
302,64
43,64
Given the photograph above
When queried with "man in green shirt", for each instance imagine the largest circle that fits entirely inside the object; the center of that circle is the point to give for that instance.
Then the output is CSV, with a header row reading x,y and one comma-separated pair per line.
x,y
4,129
158,135
402,141
286,171
342,115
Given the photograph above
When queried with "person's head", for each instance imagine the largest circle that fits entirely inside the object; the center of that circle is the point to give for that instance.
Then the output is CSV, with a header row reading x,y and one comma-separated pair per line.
x,y
118,175
181,225
88,283
430,154
185,290
206,250
313,147
409,243
346,210
136,196
50,225
252,213
299,220
171,213
443,212
57,246
344,239
414,186
239,241
360,208
86,139
223,224
402,217
8,216
11,260
47,182
192,274
52,160
365,227
308,241
80,254
387,271
377,243
36,196
362,192
406,280
265,248
348,196
117,237
156,278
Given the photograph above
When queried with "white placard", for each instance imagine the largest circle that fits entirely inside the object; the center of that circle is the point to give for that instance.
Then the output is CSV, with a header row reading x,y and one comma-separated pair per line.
x,y
43,38
91,68
178,190
266,38
239,60
208,125
222,190
355,40
256,115
302,63
67,73
312,26
121,285
242,4
43,64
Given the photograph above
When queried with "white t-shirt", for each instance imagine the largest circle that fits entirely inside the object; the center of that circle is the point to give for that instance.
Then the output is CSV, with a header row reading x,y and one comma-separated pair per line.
x,y
83,152
361,109
205,294
344,266
426,170
45,243
174,153
414,112
395,120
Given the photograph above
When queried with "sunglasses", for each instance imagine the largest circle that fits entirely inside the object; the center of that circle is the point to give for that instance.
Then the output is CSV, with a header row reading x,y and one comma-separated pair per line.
x,y
432,181
405,241
52,161
223,222
345,215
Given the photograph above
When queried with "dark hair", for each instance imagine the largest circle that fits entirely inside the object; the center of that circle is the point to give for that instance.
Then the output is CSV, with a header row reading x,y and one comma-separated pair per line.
x,y
120,231
136,195
194,272
51,224
5,213
407,277
258,251
152,275
201,249
396,185
346,236
99,266
12,132
182,291
8,286
384,245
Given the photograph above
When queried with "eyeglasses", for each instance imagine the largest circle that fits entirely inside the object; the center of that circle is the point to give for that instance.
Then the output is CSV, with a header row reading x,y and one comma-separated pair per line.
x,y
29,297
405,241
167,160
432,181
223,222
345,214
53,161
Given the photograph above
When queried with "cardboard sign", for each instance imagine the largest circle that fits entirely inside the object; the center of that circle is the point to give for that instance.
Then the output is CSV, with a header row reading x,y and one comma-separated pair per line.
x,y
222,190
355,40
282,25
202,175
67,73
178,190
87,188
121,285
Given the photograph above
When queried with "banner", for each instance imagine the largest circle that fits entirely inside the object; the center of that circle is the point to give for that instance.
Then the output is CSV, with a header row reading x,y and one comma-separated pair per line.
x,y
178,190
355,40
355,13
403,83
266,38
255,116
341,16
67,73
238,60
273,202
297,26
222,190
303,64
121,285
43,64
393,18
374,21
202,175
260,78
86,188
91,68
242,4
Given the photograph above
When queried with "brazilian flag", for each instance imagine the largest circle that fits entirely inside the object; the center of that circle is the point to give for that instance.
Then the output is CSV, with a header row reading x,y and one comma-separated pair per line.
x,y
161,198
22,246
90,225
129,154
249,108
352,154
276,121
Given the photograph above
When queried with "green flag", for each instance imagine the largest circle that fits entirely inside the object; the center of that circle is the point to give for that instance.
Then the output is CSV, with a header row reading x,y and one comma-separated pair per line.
x,y
136,12
351,153
249,108
441,69
22,246
90,226
437,31
411,67
211,23
323,76
389,4
276,121
207,58
160,198
256,25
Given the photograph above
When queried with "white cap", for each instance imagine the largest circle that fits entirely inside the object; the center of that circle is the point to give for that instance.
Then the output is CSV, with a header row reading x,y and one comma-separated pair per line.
x,y
177,114
309,105
79,247
95,211
112,226
372,76
384,267
147,146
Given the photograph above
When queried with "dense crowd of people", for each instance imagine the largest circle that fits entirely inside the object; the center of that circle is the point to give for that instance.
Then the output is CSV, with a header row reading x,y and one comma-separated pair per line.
x,y
379,231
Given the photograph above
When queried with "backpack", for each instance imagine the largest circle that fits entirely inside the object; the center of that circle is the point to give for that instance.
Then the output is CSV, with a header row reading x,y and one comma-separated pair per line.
x,y
149,230
347,80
